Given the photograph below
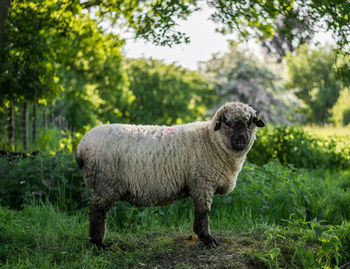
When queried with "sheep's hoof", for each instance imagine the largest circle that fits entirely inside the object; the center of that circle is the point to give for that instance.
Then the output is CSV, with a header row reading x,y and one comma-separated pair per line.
x,y
210,241
99,245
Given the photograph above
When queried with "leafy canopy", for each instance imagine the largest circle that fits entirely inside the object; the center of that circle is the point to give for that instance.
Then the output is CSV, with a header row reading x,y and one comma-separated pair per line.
x,y
292,22
314,79
164,94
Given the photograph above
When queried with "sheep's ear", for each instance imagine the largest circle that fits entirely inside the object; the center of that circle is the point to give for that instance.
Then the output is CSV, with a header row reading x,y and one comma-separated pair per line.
x,y
258,122
218,123
222,119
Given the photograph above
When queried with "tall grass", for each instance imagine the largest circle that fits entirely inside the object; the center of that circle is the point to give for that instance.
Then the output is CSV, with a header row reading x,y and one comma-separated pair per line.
x,y
54,178
264,194
40,236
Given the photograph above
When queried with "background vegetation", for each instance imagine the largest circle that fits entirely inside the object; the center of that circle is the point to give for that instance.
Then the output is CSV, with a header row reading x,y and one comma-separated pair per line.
x,y
62,72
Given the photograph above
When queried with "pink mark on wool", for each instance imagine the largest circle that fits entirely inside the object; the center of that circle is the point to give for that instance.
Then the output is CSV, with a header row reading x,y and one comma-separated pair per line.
x,y
169,130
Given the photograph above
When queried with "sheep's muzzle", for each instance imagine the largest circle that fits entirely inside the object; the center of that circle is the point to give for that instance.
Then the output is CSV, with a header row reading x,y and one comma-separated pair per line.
x,y
239,138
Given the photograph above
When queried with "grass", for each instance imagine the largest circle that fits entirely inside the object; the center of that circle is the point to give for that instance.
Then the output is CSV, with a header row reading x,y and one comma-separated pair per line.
x,y
40,236
329,131
271,220
341,134
279,216
43,237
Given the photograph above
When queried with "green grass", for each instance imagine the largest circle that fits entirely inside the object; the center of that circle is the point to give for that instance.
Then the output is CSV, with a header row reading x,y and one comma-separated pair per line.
x,y
43,237
329,131
291,213
277,217
265,194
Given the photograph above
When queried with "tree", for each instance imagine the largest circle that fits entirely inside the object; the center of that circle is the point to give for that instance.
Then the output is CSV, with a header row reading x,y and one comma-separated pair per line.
x,y
237,76
313,78
164,94
28,71
341,109
283,26
92,75
291,31
293,21
36,64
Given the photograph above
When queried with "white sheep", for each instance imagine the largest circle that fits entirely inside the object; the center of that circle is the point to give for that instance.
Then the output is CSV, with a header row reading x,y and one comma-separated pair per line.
x,y
158,165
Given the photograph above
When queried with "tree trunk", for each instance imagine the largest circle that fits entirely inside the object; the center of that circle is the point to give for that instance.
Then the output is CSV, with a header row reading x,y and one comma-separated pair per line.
x,y
11,128
53,120
25,125
34,121
60,122
4,8
45,118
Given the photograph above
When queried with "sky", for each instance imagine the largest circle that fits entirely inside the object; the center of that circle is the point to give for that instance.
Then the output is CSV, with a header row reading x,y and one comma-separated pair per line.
x,y
204,42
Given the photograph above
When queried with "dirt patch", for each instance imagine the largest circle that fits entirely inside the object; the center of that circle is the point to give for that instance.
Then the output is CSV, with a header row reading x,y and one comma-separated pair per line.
x,y
188,251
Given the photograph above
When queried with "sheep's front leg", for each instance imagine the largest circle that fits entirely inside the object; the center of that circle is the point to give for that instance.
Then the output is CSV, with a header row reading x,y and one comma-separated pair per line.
x,y
201,225
97,216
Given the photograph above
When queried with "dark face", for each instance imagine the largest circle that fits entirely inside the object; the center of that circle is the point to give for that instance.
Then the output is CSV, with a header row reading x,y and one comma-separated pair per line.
x,y
239,135
238,131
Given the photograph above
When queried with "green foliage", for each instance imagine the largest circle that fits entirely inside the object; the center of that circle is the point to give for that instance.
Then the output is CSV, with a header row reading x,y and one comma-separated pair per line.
x,y
314,79
48,140
27,52
346,117
314,201
294,22
340,107
273,192
153,20
264,196
93,76
37,64
53,178
310,244
293,146
70,140
283,25
42,237
164,94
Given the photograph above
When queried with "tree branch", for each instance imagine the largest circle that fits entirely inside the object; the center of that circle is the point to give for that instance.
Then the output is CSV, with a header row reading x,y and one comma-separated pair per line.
x,y
91,3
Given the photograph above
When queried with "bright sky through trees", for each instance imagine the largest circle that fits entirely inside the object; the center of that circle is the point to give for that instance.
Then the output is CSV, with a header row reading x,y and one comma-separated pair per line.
x,y
204,42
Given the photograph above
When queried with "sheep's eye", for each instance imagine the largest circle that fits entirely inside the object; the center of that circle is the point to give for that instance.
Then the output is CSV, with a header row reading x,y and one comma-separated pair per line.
x,y
229,124
250,121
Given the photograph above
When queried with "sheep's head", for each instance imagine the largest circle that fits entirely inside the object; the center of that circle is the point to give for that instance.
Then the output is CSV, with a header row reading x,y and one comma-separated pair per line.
x,y
234,125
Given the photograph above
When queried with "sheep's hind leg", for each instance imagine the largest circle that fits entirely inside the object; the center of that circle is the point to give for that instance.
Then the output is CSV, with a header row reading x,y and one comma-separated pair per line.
x,y
97,216
201,226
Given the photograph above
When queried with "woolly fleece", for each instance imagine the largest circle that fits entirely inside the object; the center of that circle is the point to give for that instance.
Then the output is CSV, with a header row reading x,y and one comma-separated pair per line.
x,y
157,165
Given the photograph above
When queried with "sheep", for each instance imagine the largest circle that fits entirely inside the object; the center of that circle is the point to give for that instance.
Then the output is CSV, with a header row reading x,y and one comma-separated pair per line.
x,y
149,165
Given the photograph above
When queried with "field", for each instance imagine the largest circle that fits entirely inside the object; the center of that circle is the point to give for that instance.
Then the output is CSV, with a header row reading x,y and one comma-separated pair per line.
x,y
290,209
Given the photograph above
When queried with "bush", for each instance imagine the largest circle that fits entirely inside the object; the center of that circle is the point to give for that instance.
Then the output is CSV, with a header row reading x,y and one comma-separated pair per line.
x,y
54,178
266,194
273,192
293,146
346,117
270,192
307,244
